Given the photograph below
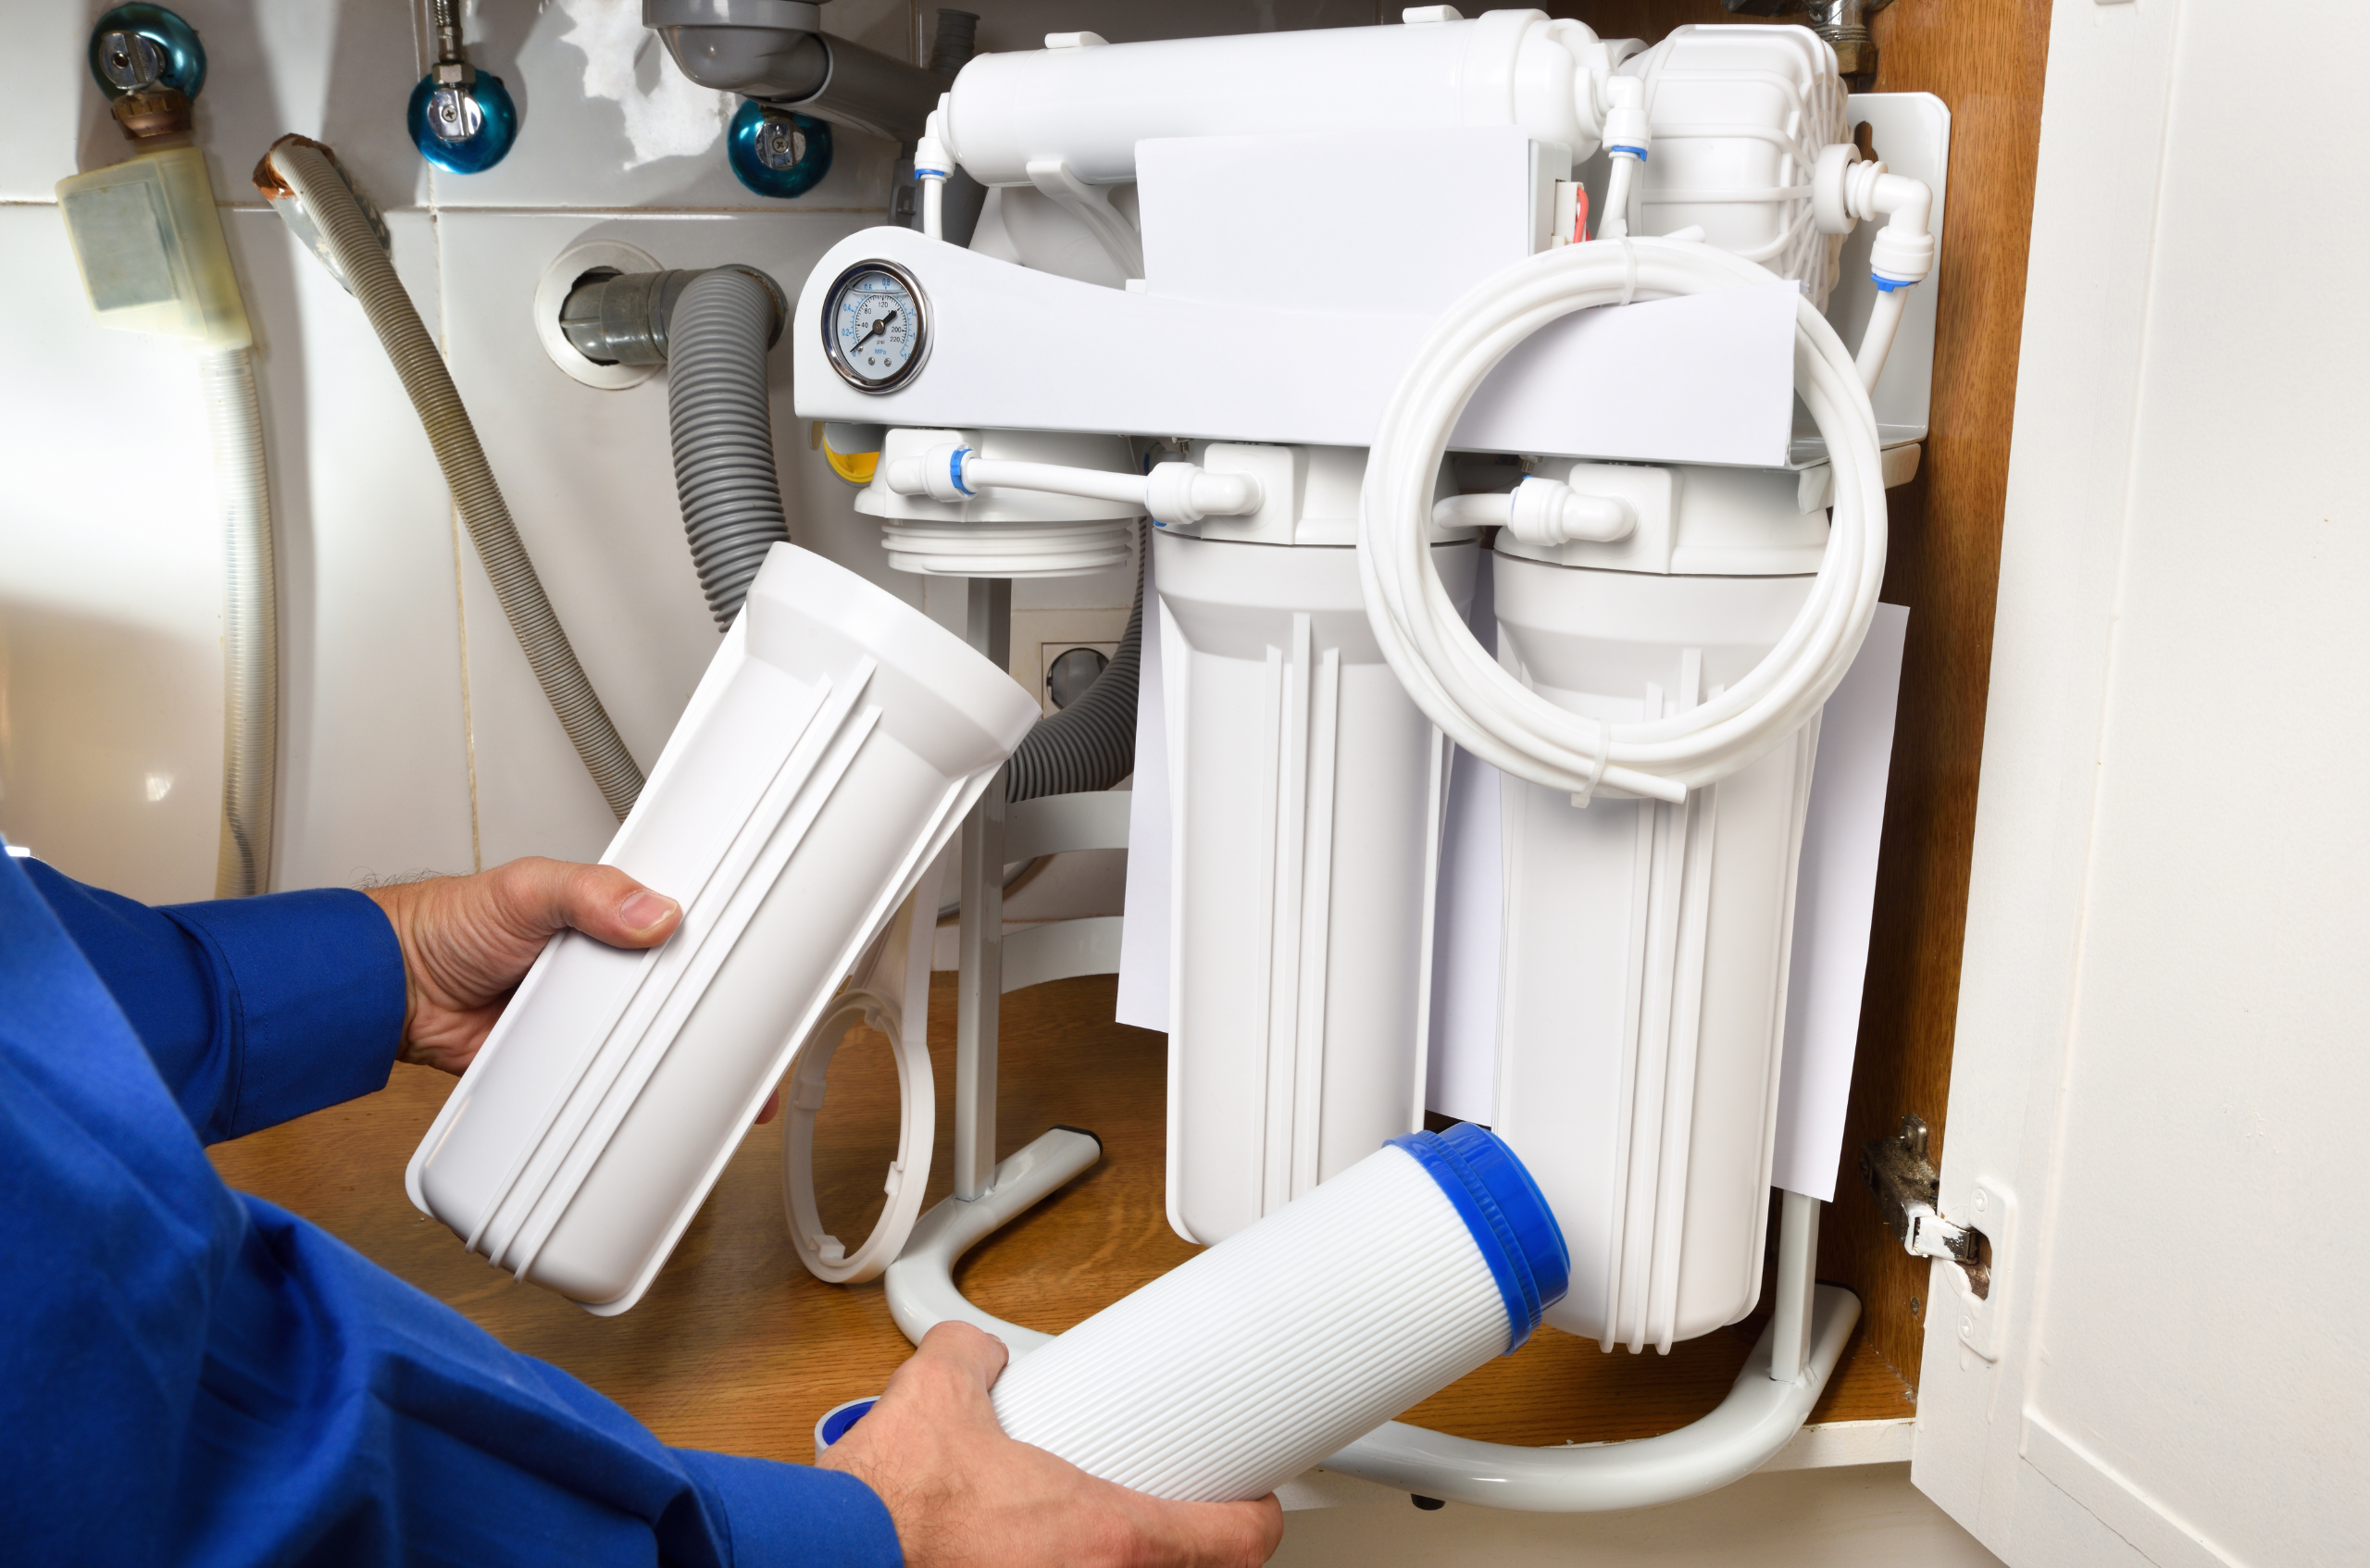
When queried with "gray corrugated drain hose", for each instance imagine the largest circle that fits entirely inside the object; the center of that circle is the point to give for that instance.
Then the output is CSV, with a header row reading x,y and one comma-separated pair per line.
x,y
1091,743
321,191
717,338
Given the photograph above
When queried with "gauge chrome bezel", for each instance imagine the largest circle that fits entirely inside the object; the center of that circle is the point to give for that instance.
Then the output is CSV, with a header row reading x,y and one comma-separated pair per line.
x,y
831,349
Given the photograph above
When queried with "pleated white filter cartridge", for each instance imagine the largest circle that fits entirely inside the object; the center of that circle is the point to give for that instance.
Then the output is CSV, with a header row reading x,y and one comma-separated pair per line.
x,y
1228,1377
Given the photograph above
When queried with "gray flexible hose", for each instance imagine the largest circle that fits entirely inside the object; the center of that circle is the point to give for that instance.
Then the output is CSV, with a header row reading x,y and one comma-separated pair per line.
x,y
1091,743
717,412
321,191
250,625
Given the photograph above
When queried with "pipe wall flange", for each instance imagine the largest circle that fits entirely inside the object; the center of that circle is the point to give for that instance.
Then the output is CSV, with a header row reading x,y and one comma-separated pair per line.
x,y
559,279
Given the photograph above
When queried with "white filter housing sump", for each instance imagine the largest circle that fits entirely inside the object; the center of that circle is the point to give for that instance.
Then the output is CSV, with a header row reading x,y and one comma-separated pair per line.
x,y
1643,982
830,750
1306,791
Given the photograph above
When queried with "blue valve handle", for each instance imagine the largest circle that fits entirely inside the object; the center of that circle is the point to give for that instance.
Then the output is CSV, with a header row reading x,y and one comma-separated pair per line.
x,y
740,152
184,57
498,130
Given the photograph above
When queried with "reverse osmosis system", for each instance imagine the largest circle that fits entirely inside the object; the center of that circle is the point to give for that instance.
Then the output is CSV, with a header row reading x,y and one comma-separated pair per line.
x,y
1577,369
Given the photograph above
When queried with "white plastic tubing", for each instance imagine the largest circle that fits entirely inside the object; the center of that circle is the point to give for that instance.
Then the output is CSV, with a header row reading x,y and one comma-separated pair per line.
x,y
250,624
1229,1375
829,754
1173,493
1461,687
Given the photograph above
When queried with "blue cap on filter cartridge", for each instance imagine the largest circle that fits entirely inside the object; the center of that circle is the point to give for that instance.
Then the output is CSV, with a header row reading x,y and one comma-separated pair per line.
x,y
1507,1215
838,1419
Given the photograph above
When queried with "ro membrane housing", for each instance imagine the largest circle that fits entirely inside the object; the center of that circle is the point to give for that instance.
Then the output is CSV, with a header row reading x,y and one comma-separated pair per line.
x,y
1228,1377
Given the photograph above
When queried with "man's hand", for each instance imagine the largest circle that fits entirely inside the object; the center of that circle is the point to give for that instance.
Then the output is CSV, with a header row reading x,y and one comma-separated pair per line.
x,y
964,1495
469,941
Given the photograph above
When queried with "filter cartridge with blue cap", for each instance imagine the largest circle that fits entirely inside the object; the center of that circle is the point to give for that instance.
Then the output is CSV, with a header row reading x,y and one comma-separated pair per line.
x,y
1234,1373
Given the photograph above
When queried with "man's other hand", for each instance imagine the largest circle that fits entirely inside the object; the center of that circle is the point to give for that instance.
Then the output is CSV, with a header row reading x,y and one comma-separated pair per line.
x,y
469,941
963,1495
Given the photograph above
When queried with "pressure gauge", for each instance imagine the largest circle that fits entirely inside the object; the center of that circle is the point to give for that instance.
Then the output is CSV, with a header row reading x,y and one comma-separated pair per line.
x,y
876,327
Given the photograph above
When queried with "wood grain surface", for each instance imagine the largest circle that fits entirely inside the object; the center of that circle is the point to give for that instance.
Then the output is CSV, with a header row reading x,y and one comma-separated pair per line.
x,y
737,1348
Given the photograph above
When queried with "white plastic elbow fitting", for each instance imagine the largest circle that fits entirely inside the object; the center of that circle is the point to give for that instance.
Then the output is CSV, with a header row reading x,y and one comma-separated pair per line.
x,y
1541,512
1549,512
1626,130
936,473
931,158
1845,190
1181,492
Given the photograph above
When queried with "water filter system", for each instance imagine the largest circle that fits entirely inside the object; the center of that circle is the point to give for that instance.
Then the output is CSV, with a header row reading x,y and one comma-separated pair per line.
x,y
1588,369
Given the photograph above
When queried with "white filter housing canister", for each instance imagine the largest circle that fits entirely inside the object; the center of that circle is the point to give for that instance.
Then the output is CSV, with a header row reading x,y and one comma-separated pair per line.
x,y
1228,1377
832,747
1739,115
1305,793
1643,964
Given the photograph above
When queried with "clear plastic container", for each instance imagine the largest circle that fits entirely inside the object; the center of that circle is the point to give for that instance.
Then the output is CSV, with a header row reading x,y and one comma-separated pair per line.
x,y
149,242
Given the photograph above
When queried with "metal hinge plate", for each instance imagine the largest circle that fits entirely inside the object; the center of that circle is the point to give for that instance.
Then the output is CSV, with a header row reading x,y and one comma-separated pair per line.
x,y
1907,1187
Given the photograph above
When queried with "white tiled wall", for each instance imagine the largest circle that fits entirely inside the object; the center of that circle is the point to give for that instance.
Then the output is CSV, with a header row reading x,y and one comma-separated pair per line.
x,y
413,735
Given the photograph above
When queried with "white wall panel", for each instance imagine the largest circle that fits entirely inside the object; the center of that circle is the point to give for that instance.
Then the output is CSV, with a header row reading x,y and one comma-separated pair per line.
x,y
110,587
374,757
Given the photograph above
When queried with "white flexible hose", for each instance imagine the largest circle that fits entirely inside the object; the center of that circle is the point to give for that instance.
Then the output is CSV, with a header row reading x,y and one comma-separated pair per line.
x,y
1463,688
1875,343
371,277
250,624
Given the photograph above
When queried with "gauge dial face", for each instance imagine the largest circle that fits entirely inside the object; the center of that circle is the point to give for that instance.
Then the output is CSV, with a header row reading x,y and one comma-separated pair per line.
x,y
874,327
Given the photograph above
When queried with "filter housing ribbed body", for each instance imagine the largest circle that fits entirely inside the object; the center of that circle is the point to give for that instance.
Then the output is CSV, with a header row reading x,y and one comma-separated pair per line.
x,y
1225,1377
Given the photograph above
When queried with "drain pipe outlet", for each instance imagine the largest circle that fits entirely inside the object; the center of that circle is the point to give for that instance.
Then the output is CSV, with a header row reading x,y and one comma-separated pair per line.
x,y
775,51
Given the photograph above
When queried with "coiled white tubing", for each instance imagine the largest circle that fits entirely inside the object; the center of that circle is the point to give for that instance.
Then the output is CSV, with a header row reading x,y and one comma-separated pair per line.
x,y
1461,687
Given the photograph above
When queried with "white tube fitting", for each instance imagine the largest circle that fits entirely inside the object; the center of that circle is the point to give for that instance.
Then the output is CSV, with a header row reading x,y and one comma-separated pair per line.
x,y
1549,512
938,473
931,165
1626,127
1628,139
1181,492
1904,247
1541,511
1175,493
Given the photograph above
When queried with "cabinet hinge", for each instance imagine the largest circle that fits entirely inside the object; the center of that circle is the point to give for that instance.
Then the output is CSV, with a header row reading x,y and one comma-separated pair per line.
x,y
1907,1188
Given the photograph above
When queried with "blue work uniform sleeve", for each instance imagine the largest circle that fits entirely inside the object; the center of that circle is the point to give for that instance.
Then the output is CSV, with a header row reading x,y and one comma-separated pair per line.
x,y
190,1375
255,1011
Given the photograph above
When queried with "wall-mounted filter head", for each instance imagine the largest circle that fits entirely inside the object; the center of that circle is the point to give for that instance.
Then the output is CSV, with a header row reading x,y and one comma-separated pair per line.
x,y
1229,1375
777,152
